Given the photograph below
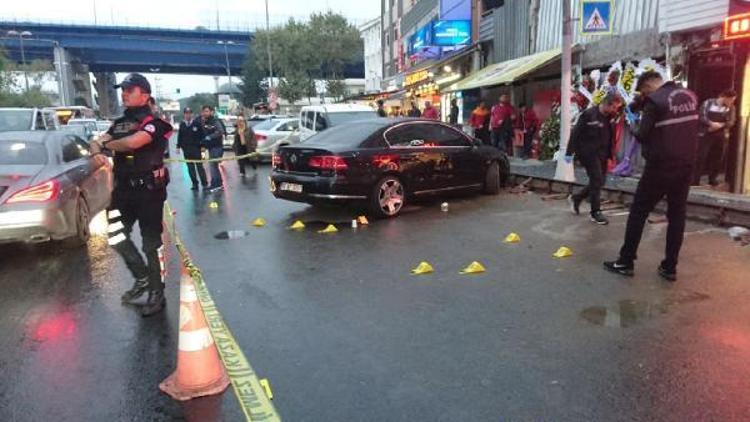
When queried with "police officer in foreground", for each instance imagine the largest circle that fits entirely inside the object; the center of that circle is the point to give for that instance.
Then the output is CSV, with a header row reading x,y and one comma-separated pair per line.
x,y
137,141
591,143
669,134
189,140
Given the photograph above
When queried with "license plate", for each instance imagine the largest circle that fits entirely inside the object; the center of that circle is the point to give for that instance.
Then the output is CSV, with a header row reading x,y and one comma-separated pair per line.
x,y
291,187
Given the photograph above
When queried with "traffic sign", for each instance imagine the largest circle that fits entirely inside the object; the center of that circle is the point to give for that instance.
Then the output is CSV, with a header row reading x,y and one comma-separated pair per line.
x,y
597,17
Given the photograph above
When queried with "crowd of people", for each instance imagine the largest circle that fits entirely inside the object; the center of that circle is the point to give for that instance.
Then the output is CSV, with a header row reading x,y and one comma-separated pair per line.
x,y
206,134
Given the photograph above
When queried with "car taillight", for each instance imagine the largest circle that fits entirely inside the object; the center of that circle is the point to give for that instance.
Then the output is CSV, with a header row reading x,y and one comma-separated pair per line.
x,y
43,192
328,162
276,160
260,138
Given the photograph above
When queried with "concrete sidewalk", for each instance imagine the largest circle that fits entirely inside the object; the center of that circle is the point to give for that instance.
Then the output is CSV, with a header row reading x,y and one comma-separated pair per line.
x,y
705,204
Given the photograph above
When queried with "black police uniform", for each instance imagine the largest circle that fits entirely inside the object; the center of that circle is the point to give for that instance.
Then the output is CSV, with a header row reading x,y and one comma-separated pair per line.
x,y
189,139
139,195
669,135
591,142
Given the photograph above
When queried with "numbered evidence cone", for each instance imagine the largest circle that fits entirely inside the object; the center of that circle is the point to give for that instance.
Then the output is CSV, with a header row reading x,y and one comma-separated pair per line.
x,y
330,229
259,222
213,205
362,220
199,371
298,225
422,268
512,238
473,268
563,252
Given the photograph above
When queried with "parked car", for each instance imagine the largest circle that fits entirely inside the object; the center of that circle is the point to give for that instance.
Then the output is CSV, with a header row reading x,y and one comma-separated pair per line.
x,y
229,126
274,133
314,119
102,126
84,128
384,163
257,119
50,187
14,119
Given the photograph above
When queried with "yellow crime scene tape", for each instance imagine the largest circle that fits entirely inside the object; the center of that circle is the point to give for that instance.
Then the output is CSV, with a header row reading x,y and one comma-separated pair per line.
x,y
212,160
234,158
252,394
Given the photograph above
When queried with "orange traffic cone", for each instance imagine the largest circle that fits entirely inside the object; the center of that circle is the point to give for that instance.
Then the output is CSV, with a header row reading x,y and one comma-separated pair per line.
x,y
199,371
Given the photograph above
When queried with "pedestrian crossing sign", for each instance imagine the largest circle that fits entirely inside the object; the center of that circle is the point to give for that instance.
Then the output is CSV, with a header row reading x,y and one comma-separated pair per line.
x,y
596,17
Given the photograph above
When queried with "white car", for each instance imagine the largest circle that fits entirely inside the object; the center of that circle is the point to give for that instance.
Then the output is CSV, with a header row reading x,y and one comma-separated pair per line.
x,y
274,133
314,119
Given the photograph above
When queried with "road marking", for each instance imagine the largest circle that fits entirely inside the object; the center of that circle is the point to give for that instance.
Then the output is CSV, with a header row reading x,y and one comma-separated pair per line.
x,y
251,395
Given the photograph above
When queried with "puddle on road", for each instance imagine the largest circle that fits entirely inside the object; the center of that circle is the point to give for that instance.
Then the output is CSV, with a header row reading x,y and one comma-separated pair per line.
x,y
231,234
628,312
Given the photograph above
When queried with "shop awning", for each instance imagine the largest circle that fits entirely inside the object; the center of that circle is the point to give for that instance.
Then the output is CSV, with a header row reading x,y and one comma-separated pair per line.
x,y
506,72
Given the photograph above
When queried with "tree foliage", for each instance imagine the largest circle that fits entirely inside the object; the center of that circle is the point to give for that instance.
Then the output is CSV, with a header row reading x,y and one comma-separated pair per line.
x,y
12,95
318,49
252,86
197,101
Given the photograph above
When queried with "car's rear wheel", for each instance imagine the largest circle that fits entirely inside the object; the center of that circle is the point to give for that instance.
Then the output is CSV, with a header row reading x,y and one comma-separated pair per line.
x,y
82,221
388,197
492,179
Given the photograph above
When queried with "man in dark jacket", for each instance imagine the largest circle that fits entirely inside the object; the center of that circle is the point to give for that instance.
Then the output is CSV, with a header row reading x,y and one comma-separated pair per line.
x,y
591,142
213,139
717,116
189,140
669,134
453,116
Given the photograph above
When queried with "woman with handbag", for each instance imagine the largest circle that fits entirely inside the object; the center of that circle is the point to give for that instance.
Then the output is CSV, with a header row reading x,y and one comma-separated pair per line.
x,y
244,143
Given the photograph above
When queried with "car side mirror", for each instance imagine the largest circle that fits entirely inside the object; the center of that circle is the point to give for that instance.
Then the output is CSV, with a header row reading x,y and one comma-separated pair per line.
x,y
477,143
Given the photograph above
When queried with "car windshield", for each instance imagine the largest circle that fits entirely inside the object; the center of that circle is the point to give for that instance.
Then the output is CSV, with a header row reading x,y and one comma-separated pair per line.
x,y
336,119
350,134
267,125
12,120
22,153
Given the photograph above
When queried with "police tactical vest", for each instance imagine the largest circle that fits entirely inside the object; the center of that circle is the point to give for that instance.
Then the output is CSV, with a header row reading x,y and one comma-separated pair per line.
x,y
674,139
143,160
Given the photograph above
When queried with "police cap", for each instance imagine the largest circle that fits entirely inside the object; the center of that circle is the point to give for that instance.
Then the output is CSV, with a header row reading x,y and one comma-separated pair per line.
x,y
135,79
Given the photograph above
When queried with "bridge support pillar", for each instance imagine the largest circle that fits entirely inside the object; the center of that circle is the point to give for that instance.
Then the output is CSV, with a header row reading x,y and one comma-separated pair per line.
x,y
64,75
106,93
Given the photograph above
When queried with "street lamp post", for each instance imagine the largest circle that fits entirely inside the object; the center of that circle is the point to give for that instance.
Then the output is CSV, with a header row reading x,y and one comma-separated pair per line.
x,y
226,58
20,36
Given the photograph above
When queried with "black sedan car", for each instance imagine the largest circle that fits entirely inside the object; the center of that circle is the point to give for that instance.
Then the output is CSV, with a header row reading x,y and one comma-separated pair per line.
x,y
384,163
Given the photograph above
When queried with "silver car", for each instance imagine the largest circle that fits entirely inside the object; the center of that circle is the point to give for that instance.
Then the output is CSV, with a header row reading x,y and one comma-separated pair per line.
x,y
50,187
274,133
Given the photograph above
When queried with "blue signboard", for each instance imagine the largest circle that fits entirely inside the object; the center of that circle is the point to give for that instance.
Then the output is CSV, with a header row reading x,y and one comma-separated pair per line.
x,y
597,17
420,39
450,33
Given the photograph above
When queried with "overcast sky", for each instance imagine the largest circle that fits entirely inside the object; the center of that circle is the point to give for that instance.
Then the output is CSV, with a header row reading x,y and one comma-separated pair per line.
x,y
232,14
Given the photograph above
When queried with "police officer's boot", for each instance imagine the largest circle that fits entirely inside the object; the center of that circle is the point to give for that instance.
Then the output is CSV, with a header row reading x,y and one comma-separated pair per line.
x,y
155,303
139,288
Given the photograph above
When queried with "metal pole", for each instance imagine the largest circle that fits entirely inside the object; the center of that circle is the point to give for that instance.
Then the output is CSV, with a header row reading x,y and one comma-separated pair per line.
x,y
268,49
229,72
23,62
95,22
565,171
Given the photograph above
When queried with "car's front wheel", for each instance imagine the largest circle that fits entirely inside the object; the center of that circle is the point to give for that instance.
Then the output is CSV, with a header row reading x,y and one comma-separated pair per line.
x,y
388,197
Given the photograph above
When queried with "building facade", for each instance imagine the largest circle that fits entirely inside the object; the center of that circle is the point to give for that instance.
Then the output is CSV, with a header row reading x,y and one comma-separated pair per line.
x,y
371,33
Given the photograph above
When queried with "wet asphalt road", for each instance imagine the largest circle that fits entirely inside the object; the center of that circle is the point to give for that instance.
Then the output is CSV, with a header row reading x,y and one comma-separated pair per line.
x,y
344,333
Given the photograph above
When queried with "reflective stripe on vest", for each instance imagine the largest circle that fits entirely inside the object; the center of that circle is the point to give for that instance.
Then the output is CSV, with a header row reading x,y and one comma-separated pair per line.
x,y
676,120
